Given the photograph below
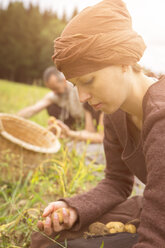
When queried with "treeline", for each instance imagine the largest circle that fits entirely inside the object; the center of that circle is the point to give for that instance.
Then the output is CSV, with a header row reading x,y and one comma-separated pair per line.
x,y
26,41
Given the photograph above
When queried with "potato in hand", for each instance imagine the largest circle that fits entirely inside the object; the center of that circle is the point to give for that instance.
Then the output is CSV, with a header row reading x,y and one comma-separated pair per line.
x,y
60,215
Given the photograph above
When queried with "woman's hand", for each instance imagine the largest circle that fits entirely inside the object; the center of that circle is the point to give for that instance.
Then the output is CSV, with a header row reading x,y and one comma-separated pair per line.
x,y
52,222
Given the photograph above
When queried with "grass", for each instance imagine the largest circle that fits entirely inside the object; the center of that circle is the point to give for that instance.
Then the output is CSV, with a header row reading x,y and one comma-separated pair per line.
x,y
22,200
15,96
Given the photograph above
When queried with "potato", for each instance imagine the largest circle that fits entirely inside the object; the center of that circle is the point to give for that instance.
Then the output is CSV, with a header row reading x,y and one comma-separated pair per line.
x,y
115,227
98,228
112,230
130,228
60,215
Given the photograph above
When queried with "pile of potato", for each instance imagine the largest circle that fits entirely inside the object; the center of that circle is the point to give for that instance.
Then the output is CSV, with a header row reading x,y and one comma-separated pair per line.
x,y
115,227
98,228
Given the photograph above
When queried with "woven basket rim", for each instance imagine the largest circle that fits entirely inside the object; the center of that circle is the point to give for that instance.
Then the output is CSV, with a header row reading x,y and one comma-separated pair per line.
x,y
55,142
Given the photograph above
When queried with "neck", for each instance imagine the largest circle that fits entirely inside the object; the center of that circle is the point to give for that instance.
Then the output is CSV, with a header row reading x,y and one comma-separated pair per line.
x,y
136,92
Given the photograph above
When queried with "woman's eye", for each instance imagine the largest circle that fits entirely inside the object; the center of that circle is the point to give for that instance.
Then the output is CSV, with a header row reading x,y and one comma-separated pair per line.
x,y
89,81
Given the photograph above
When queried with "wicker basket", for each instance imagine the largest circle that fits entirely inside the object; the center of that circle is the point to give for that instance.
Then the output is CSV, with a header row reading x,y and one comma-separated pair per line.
x,y
24,144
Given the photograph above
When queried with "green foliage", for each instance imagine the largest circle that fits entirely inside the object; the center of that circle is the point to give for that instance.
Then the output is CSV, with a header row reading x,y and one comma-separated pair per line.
x,y
102,245
26,41
22,201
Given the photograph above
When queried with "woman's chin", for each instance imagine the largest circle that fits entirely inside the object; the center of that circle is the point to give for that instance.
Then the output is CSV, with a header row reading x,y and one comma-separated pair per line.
x,y
109,110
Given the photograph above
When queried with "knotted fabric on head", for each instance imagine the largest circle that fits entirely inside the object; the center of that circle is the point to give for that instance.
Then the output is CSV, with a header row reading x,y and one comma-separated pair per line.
x,y
98,37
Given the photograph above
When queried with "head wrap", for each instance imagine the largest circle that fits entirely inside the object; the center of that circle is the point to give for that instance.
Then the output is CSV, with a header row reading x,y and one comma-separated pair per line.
x,y
98,37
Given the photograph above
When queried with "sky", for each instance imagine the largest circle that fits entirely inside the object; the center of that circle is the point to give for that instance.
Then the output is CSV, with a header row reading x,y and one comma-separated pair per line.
x,y
147,16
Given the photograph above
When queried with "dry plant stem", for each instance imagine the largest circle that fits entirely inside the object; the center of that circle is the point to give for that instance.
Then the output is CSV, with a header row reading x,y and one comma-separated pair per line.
x,y
1,126
50,238
85,136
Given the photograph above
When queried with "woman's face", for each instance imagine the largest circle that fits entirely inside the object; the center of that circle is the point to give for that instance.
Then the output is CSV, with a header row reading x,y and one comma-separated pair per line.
x,y
105,90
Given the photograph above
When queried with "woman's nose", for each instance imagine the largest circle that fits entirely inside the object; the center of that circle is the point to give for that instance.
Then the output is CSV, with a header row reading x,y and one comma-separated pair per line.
x,y
83,96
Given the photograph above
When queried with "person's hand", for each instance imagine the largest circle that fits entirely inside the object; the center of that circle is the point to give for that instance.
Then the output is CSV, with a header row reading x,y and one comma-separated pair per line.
x,y
64,128
52,222
54,127
52,120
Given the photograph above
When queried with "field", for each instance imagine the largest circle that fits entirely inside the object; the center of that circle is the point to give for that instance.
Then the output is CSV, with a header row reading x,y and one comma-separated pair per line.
x,y
22,200
15,96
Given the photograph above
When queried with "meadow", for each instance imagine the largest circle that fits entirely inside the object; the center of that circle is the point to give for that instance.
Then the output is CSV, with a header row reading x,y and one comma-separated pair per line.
x,y
15,96
23,200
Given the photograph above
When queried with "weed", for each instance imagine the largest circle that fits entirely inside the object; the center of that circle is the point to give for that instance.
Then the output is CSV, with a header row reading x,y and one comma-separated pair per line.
x,y
22,201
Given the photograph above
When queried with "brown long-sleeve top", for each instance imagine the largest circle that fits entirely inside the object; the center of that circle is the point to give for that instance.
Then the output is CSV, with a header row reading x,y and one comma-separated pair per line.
x,y
125,158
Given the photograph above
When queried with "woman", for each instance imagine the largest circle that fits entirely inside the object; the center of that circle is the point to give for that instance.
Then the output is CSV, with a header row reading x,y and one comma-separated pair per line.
x,y
103,49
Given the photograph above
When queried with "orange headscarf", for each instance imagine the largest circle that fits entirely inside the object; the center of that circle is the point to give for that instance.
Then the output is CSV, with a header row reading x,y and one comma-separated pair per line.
x,y
99,36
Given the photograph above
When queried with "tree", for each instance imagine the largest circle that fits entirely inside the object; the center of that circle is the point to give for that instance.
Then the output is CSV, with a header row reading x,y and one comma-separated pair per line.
x,y
26,41
64,17
12,38
75,12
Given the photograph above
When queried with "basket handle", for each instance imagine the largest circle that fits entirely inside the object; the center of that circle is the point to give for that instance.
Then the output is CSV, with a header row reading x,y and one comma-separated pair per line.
x,y
1,126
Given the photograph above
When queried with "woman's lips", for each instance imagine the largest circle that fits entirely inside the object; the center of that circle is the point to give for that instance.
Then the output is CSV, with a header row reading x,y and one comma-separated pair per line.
x,y
97,106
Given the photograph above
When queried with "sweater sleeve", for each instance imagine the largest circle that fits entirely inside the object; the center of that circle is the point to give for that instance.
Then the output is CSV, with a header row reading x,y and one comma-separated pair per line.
x,y
111,191
152,227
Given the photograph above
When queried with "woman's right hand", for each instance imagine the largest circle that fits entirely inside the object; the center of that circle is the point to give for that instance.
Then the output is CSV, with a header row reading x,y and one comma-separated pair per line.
x,y
52,223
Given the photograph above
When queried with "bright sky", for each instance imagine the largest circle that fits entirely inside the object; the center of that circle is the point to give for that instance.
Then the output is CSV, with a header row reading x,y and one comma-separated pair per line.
x,y
148,20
